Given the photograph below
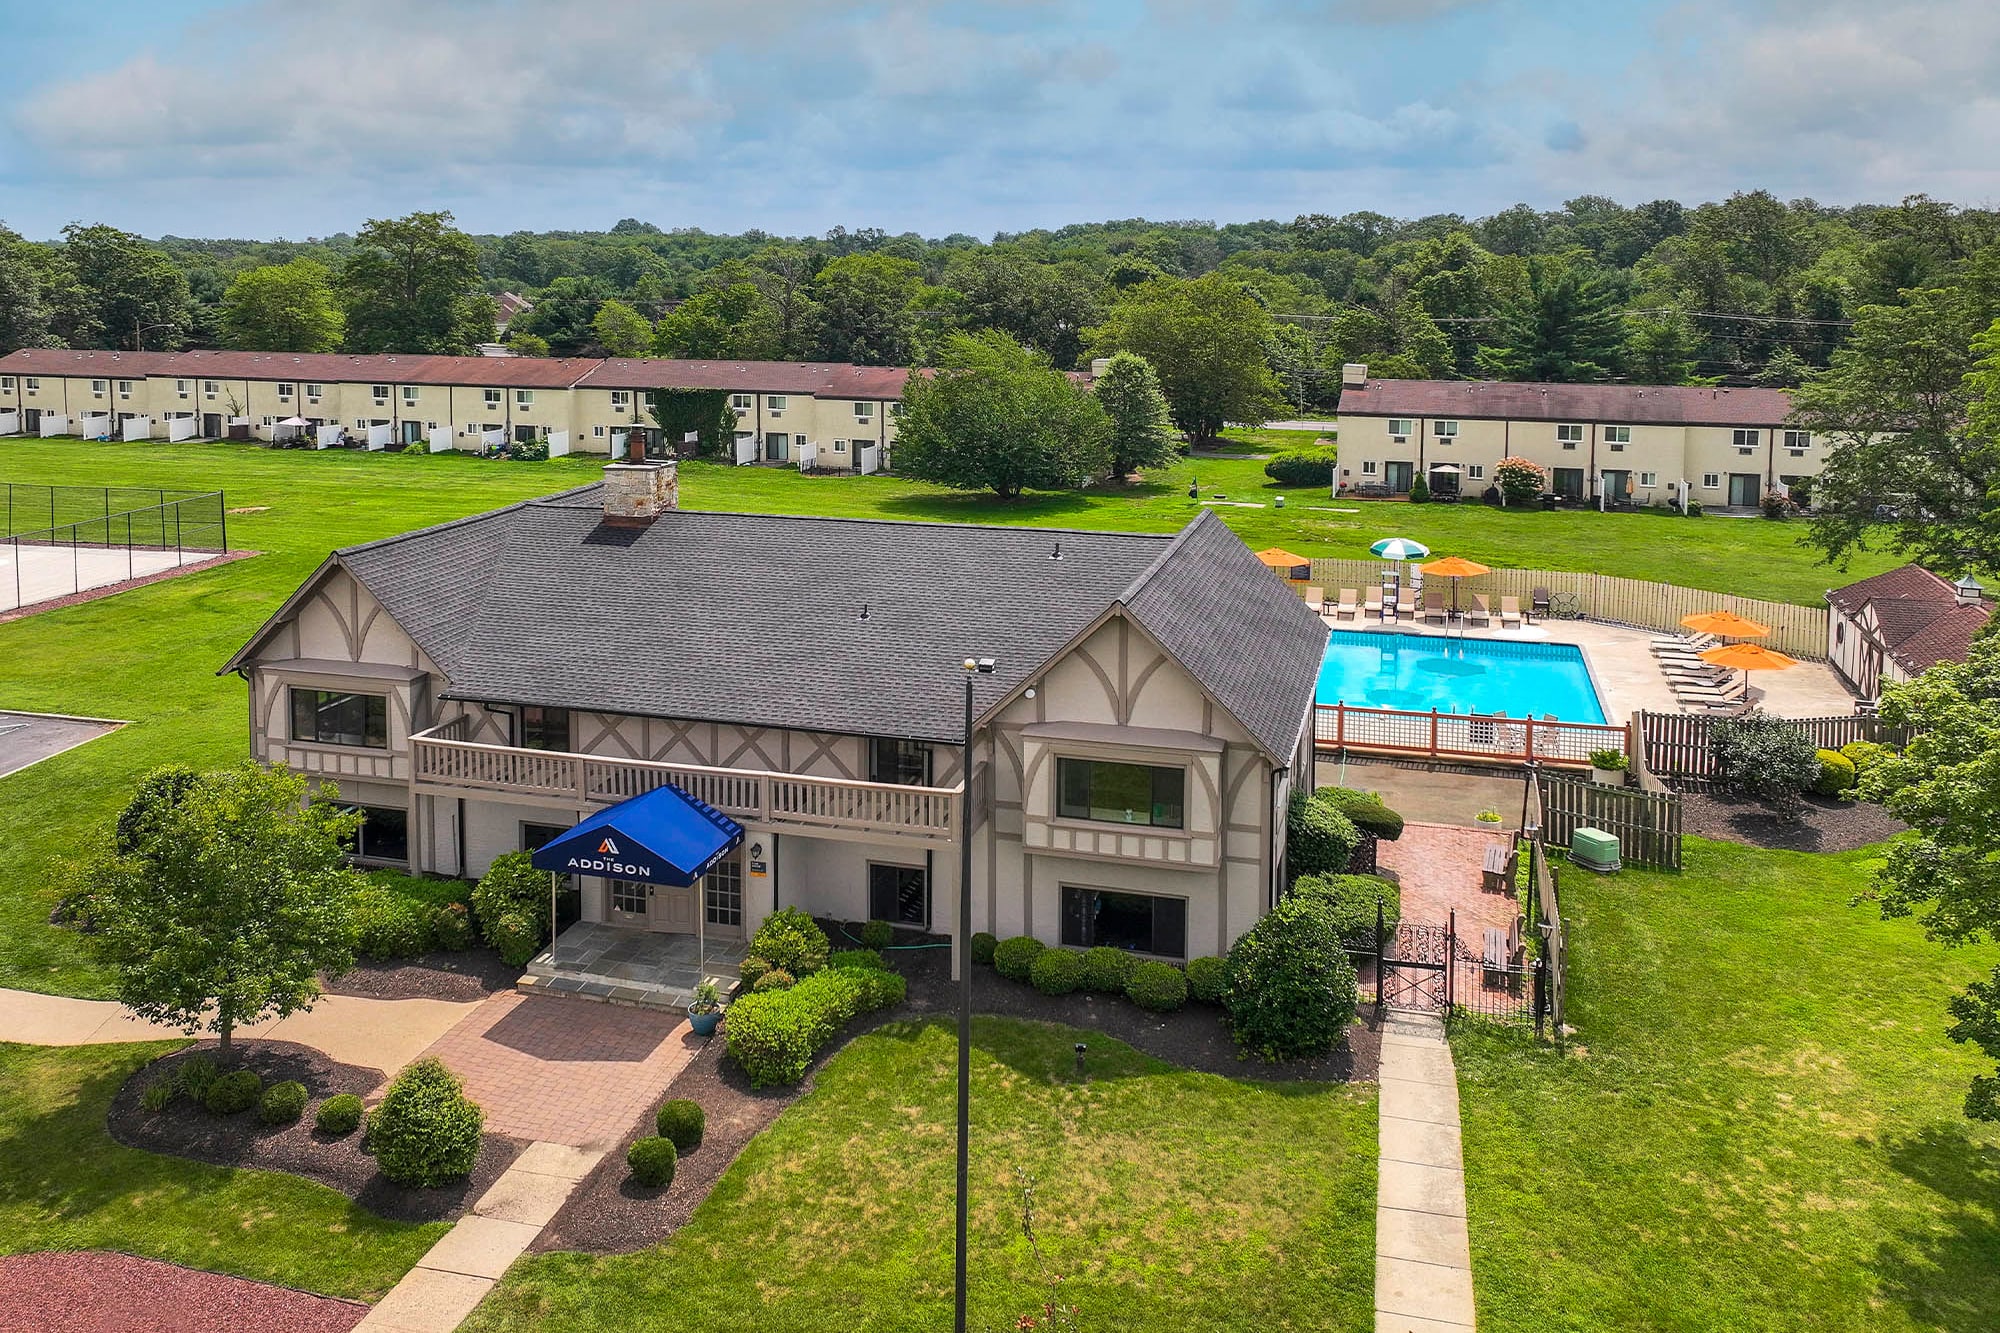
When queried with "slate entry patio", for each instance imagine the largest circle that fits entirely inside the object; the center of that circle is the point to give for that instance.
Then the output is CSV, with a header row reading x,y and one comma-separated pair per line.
x,y
626,965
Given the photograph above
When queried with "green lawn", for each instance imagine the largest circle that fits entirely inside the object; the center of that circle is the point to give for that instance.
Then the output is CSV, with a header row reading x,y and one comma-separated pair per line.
x,y
149,655
64,1184
1165,1199
1759,1125
1271,441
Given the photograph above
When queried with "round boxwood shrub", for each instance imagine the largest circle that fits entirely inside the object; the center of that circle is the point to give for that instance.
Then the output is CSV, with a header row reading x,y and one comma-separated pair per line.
x,y
282,1103
1106,970
1302,467
792,940
1291,988
1836,774
1865,755
339,1114
776,979
1012,958
426,1131
652,1161
1158,986
233,1092
1207,979
983,945
1319,840
159,1095
1352,899
752,969
518,937
1056,971
451,927
867,958
386,924
1365,810
512,903
196,1073
681,1122
877,935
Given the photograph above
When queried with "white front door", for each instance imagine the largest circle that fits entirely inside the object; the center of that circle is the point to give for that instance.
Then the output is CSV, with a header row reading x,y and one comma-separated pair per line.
x,y
673,909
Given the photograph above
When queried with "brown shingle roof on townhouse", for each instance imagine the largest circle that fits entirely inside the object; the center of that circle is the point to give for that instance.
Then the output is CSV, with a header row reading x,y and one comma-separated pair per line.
x,y
820,379
504,372
1618,404
83,361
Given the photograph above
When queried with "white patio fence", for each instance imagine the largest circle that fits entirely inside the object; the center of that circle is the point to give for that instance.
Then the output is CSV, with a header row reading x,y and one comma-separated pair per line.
x,y
54,425
182,428
380,436
558,443
10,423
441,440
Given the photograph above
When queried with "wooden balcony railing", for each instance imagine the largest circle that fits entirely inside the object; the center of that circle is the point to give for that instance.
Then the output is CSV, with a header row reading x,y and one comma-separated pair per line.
x,y
927,814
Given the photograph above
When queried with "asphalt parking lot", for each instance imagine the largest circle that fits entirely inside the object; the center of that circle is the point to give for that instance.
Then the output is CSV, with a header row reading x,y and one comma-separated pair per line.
x,y
27,738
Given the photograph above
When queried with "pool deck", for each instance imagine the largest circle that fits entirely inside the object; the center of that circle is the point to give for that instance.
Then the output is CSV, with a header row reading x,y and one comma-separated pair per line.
x,y
1626,674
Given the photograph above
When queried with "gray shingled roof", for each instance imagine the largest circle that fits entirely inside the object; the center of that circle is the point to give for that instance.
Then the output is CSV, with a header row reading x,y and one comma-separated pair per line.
x,y
757,619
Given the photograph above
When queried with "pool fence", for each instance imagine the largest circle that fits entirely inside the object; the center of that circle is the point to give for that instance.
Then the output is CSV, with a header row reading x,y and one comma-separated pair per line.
x,y
1677,750
1798,630
1495,738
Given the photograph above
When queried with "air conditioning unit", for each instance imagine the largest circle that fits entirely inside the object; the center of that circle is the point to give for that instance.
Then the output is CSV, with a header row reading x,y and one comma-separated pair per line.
x,y
1399,439
1746,449
1797,453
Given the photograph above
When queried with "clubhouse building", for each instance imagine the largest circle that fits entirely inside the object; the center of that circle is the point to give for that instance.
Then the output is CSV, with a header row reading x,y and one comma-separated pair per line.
x,y
1622,443
487,685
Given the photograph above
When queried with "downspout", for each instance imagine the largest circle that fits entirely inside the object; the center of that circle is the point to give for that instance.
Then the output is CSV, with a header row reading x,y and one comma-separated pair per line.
x,y
1271,842
461,837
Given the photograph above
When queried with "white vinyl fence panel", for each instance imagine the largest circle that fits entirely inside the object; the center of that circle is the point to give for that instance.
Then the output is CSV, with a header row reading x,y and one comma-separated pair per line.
x,y
136,428
54,425
96,426
182,428
10,422
493,439
867,457
558,443
380,436
807,454
328,437
441,440
746,448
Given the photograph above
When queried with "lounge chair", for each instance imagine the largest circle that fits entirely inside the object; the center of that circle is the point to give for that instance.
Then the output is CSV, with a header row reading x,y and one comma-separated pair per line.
x,y
1480,613
1406,604
1373,605
1347,608
1435,608
1510,612
1316,600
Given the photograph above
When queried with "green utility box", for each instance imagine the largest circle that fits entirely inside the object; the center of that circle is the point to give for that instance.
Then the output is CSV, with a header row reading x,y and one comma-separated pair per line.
x,y
1594,849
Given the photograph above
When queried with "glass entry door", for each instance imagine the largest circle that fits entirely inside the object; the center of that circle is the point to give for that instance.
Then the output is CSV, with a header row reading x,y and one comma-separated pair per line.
x,y
1397,476
1745,489
629,902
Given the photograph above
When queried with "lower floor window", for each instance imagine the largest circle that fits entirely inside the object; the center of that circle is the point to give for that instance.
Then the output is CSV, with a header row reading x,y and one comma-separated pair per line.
x,y
899,894
722,893
1141,922
384,835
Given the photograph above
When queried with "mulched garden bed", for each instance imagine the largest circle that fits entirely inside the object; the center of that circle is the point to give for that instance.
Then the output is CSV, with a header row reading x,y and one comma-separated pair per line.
x,y
608,1213
464,975
1822,825
95,1291
186,1130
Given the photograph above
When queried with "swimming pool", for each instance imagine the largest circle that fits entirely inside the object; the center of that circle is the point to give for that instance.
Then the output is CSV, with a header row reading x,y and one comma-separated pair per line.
x,y
1419,672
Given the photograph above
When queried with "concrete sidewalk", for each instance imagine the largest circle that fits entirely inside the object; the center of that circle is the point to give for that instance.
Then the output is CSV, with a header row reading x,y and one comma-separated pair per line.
x,y
375,1034
1423,1252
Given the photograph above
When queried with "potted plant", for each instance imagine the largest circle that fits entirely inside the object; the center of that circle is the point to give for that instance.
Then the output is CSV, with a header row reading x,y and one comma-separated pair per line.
x,y
1487,817
706,1010
1607,767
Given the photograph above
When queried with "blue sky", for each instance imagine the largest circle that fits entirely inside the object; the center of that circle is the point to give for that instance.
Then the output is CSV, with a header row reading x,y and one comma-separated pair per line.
x,y
294,118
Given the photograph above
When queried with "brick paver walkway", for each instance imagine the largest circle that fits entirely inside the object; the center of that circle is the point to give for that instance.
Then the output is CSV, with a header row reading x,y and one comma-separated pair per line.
x,y
1437,871
574,1072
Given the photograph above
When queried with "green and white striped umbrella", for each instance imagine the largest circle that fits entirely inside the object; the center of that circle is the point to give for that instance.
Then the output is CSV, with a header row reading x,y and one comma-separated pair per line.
x,y
1400,548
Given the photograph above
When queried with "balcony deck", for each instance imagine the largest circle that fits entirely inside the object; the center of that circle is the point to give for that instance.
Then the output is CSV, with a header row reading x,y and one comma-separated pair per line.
x,y
824,807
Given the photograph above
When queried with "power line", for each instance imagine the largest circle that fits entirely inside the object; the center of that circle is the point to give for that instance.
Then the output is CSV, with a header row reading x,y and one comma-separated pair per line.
x,y
1623,314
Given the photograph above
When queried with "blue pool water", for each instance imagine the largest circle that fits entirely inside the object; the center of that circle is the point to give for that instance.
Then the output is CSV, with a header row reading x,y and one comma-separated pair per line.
x,y
1419,672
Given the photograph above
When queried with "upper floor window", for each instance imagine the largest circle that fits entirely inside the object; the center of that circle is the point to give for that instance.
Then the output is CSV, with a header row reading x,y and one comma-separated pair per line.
x,y
621,397
1618,435
209,388
1746,439
1399,430
97,388
409,395
1569,437
379,392
1444,430
1121,793
524,398
494,400
34,385
544,728
864,411
6,383
181,388
906,763
1797,439
774,402
315,391
338,717
285,392
742,402
124,388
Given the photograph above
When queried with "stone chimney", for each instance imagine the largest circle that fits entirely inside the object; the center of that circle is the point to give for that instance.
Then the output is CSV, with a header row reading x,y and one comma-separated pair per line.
x,y
1354,372
637,493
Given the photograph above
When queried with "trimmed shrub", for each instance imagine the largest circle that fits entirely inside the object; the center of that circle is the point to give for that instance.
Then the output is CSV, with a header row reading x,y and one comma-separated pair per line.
x,y
233,1092
652,1162
518,937
1351,899
1056,971
1013,957
1865,755
1765,757
196,1073
1208,979
1420,490
158,791
983,945
451,927
772,1035
1836,774
1158,986
1106,970
792,940
1519,479
511,903
1303,467
159,1095
282,1103
1365,810
877,935
681,1122
527,451
426,1131
339,1114
752,970
1291,989
387,926
856,958
1319,839
776,979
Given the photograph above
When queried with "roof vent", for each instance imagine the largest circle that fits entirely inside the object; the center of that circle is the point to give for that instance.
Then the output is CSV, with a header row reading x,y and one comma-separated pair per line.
x,y
1967,591
1057,553
864,610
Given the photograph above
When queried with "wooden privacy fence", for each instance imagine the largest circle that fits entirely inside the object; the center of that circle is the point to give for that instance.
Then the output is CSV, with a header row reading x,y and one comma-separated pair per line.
x,y
1646,824
1679,748
1435,735
1798,630
1545,911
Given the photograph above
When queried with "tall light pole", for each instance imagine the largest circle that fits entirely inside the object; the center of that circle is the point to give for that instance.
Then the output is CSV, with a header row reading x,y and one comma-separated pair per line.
x,y
962,951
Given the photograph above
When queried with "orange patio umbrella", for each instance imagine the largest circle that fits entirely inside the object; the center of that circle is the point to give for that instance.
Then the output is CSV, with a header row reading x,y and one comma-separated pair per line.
x,y
1725,625
1747,657
1454,567
1277,557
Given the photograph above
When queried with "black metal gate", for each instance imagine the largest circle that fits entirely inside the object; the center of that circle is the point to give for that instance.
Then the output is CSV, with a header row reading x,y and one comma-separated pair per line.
x,y
1416,970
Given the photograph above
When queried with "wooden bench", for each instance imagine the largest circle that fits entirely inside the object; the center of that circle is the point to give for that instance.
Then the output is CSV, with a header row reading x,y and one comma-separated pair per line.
x,y
1497,875
1501,957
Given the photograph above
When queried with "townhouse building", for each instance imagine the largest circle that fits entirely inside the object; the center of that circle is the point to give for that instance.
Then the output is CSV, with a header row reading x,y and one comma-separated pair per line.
x,y
815,415
484,686
1646,444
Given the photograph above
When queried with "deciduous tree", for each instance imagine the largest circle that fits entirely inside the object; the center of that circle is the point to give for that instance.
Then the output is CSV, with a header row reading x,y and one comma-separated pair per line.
x,y
996,416
138,297
283,308
622,331
1205,337
412,285
1142,432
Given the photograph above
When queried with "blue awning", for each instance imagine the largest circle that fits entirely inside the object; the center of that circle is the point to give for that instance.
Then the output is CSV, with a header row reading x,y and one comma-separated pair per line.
x,y
662,837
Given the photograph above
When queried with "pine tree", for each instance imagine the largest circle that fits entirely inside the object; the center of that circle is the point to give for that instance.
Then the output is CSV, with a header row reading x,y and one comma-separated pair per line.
x,y
1564,329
